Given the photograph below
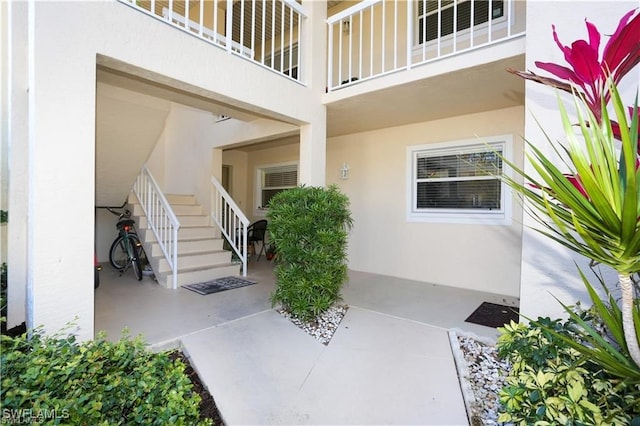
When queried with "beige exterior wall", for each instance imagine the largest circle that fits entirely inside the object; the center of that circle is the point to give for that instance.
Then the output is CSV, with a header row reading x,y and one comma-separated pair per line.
x,y
61,130
237,162
548,269
479,257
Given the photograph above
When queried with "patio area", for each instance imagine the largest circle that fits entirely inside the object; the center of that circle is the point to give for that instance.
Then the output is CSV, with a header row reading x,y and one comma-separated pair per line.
x,y
389,362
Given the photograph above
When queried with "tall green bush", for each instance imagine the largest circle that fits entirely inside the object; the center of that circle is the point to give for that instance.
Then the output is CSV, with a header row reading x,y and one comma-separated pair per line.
x,y
309,227
56,380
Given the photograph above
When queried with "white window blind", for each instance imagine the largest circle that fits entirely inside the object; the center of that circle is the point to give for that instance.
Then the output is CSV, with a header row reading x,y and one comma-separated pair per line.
x,y
458,181
274,179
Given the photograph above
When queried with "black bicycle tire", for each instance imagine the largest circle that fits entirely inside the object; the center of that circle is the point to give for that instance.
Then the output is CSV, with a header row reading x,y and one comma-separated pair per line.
x,y
135,257
121,260
114,260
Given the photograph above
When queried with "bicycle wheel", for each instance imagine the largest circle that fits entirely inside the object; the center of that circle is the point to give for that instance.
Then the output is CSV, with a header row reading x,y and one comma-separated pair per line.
x,y
133,251
118,257
118,254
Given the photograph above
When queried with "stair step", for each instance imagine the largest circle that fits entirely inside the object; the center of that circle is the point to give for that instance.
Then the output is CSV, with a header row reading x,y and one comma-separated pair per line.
x,y
195,220
178,210
185,233
187,209
190,232
191,246
199,275
181,199
197,260
200,250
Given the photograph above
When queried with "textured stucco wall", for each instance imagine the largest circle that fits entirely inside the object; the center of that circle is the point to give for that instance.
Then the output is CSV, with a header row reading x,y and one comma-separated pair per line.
x,y
479,257
548,269
66,41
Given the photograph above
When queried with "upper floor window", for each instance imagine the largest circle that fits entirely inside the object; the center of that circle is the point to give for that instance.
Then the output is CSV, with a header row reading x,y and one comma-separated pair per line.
x,y
452,14
272,179
459,182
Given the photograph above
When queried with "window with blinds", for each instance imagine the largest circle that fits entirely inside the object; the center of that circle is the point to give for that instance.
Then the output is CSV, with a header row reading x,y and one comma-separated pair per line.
x,y
452,14
274,179
460,181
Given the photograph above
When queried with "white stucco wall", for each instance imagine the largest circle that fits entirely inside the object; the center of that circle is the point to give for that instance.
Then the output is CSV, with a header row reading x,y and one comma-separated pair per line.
x,y
59,146
188,169
479,257
16,139
548,269
4,121
237,162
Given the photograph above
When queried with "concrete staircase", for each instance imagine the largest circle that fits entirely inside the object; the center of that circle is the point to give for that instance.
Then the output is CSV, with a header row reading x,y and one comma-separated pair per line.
x,y
200,254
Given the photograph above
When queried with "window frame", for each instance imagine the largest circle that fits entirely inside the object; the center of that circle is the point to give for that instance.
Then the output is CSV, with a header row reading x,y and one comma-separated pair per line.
x,y
502,216
260,171
462,35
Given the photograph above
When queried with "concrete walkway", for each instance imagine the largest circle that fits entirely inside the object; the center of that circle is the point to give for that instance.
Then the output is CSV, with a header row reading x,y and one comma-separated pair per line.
x,y
377,369
389,362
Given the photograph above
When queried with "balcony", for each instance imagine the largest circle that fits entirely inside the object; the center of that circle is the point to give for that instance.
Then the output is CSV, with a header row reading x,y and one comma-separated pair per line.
x,y
389,62
378,37
265,32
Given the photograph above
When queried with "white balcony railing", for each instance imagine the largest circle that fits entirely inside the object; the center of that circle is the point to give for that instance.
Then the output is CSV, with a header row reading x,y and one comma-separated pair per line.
x,y
263,31
233,224
378,37
160,218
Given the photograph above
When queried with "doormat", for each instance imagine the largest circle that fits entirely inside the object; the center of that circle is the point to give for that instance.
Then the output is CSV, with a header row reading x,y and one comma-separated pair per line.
x,y
218,285
494,315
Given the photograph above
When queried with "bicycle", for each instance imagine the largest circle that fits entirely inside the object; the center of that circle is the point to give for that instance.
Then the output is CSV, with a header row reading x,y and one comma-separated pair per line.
x,y
126,250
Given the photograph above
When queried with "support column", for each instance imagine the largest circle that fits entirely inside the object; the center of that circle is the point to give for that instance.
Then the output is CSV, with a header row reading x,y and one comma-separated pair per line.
x,y
313,154
15,135
313,136
548,270
61,173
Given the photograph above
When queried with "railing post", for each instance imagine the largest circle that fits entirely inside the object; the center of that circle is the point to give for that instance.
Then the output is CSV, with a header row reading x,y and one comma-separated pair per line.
x,y
175,257
410,36
159,216
229,30
228,217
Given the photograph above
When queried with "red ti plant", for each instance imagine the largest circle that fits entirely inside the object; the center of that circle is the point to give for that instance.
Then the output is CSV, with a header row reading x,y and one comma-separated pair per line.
x,y
595,209
589,71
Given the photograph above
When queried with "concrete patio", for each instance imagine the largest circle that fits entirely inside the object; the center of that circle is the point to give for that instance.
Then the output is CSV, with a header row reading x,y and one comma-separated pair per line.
x,y
389,362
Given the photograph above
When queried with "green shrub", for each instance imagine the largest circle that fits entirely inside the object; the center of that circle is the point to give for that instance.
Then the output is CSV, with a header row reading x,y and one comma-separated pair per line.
x,y
309,227
552,383
58,380
3,290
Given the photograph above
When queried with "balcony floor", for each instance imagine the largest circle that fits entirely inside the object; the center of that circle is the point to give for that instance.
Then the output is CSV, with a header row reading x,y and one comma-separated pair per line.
x,y
389,362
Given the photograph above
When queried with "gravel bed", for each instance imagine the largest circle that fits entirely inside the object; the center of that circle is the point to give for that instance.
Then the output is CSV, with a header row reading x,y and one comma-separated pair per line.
x,y
324,325
484,374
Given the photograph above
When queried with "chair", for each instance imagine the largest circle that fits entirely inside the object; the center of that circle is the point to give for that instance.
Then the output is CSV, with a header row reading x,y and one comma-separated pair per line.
x,y
257,232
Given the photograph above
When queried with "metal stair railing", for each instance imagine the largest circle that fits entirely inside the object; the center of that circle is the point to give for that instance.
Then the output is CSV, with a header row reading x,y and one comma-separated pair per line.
x,y
233,224
160,218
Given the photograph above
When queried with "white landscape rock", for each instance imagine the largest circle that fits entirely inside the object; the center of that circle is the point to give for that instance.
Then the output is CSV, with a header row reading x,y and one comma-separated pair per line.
x,y
482,374
325,324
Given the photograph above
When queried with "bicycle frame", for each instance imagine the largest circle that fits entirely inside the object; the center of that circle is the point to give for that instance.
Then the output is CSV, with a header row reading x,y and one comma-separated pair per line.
x,y
128,244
